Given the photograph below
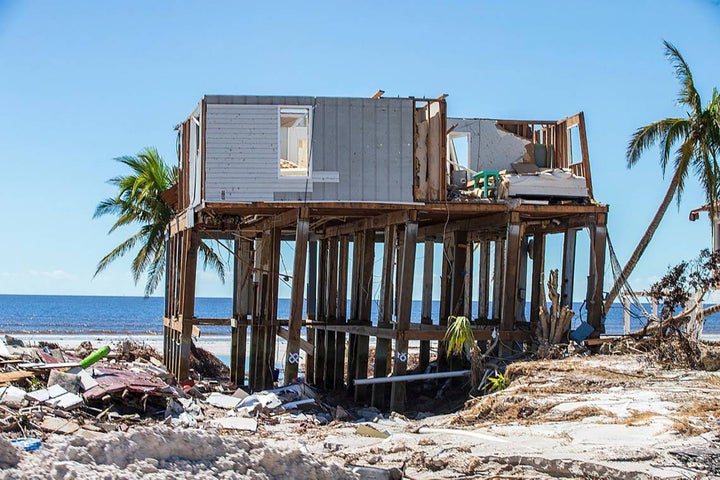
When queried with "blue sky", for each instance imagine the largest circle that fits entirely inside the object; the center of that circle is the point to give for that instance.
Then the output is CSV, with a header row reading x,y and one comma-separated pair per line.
x,y
83,82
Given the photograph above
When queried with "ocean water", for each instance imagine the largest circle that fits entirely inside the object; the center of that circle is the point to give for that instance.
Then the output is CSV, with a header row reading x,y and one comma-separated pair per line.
x,y
55,314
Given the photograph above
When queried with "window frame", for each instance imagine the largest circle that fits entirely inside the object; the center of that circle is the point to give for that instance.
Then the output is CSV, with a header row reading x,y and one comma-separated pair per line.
x,y
280,108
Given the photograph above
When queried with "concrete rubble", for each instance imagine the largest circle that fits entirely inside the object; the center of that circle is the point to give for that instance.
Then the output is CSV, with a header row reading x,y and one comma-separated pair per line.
x,y
612,416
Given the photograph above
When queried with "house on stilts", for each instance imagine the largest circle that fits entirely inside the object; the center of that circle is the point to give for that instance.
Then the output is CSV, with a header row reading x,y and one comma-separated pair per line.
x,y
338,176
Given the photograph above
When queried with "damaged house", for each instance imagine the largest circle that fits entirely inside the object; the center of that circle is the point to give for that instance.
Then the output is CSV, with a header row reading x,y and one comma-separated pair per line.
x,y
337,176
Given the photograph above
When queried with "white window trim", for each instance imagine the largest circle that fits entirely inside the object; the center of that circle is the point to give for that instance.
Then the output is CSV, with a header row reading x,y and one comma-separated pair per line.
x,y
310,149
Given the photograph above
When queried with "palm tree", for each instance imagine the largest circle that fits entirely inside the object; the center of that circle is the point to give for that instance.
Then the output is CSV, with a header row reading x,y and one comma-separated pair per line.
x,y
698,137
138,202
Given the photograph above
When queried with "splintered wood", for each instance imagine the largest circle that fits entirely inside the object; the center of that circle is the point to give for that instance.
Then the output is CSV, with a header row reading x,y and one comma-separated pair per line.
x,y
555,324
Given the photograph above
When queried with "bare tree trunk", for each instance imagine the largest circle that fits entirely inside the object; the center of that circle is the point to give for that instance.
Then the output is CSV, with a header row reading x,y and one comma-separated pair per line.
x,y
642,245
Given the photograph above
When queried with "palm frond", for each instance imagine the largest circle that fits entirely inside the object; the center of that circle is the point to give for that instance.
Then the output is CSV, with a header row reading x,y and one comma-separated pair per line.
x,y
688,94
211,259
644,138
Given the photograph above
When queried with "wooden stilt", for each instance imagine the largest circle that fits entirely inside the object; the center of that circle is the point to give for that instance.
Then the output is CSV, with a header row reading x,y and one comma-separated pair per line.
x,y
383,346
484,281
398,391
498,274
311,305
242,292
292,353
355,286
522,281
343,261
426,314
331,312
468,282
512,272
568,270
538,267
320,346
191,242
598,243
365,294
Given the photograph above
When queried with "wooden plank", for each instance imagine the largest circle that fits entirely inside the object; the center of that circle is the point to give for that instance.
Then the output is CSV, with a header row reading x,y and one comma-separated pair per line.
x,y
242,290
320,346
375,222
191,243
420,177
331,311
297,297
364,314
498,272
343,255
303,344
7,377
311,304
522,281
598,243
468,281
355,282
407,277
477,223
511,276
435,154
383,347
568,270
280,220
483,280
426,309
538,267
585,153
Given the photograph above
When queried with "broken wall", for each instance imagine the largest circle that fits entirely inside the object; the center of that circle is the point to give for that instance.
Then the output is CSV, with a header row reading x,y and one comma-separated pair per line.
x,y
489,147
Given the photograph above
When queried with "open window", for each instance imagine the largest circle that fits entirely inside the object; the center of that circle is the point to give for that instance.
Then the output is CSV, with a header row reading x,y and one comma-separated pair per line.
x,y
294,141
459,150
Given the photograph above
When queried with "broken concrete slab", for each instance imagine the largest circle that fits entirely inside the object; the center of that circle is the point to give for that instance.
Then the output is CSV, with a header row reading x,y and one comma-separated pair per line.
x,y
234,423
70,382
67,401
223,401
375,473
12,396
59,425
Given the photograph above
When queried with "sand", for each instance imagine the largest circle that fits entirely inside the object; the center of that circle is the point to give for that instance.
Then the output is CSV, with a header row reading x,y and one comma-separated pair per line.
x,y
162,453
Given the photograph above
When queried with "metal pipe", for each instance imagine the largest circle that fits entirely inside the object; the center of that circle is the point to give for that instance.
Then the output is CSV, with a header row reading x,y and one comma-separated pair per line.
x,y
411,378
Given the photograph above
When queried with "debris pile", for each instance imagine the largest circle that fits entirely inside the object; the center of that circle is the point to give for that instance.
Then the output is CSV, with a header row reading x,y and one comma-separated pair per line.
x,y
44,389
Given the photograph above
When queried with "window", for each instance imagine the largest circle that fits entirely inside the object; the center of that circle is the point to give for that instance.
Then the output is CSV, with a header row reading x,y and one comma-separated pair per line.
x,y
294,142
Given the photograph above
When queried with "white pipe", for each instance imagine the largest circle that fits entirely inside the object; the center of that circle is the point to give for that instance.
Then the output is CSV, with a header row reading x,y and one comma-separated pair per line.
x,y
410,378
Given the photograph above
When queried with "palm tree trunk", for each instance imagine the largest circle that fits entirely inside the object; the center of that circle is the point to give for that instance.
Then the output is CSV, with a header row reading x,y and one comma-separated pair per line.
x,y
642,245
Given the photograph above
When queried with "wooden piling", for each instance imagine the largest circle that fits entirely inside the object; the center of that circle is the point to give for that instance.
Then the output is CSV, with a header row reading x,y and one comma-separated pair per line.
x,y
297,298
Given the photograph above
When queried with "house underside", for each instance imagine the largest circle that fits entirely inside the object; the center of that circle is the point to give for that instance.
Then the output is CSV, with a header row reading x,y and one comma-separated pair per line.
x,y
342,180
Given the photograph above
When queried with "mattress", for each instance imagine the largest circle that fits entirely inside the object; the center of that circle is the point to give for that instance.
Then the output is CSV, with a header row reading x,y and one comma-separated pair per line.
x,y
555,183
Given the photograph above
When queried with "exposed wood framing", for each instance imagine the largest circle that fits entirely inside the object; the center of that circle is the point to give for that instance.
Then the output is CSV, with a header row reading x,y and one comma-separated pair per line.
x,y
383,346
407,277
292,354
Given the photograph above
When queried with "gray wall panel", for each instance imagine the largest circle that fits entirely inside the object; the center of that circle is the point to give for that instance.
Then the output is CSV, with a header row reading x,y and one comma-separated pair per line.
x,y
368,142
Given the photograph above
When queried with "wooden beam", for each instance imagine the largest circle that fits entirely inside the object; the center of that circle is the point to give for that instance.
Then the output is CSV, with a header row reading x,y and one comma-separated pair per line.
x,y
297,297
331,311
538,267
343,255
383,347
242,294
378,94
468,281
280,220
598,243
311,304
364,312
426,309
476,224
513,250
303,344
191,242
568,270
376,222
320,345
498,275
397,395
522,280
484,280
